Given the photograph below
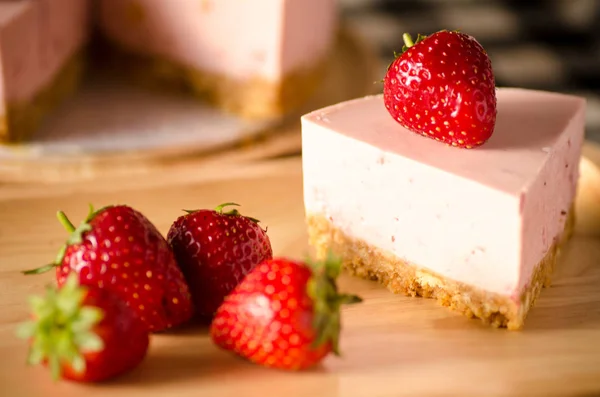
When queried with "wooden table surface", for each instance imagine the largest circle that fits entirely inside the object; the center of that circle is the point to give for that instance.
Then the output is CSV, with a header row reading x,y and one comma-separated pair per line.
x,y
392,345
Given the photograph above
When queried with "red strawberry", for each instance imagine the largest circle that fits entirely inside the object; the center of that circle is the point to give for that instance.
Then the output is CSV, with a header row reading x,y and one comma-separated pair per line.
x,y
86,334
118,248
284,314
215,250
443,87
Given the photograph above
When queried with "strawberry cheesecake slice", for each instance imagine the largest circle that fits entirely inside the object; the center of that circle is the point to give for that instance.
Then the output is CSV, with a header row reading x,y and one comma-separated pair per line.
x,y
41,60
257,59
478,229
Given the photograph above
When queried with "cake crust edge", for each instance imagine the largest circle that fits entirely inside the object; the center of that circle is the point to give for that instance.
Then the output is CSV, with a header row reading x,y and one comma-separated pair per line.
x,y
22,119
366,261
255,98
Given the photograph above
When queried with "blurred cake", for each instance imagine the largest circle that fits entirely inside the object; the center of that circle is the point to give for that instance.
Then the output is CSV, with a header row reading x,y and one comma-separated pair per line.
x,y
255,59
41,58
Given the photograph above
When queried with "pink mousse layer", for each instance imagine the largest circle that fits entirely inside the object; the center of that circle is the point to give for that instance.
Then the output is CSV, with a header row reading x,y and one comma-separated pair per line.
x,y
484,216
37,37
238,38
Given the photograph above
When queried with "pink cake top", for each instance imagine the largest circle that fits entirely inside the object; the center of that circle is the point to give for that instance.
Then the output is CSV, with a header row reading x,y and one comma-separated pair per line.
x,y
528,126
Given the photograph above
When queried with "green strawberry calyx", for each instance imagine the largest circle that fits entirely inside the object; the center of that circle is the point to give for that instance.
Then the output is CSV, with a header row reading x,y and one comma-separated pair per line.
x,y
75,237
327,301
232,212
408,42
62,328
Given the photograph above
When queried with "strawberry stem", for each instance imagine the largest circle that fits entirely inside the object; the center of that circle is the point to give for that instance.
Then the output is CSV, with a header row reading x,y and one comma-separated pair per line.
x,y
219,208
409,42
233,212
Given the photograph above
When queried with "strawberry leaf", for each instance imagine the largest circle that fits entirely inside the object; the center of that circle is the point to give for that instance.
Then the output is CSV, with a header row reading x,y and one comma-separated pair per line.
x,y
62,328
75,237
78,364
233,212
89,342
322,289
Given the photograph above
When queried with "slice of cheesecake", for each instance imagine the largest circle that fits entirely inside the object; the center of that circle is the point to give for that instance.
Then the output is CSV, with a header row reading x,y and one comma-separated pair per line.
x,y
256,59
41,60
477,229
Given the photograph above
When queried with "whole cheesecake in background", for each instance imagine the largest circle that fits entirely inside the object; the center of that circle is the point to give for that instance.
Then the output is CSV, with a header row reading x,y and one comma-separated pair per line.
x,y
256,59
479,229
41,59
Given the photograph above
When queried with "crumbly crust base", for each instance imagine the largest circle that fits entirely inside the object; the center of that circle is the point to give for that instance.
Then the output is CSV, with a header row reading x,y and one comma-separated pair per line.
x,y
22,119
369,262
251,99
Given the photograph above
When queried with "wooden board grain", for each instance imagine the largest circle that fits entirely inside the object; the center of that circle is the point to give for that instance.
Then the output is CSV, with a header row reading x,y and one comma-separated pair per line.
x,y
392,345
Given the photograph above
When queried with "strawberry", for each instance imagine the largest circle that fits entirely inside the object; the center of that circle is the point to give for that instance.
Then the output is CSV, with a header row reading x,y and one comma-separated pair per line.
x,y
285,314
442,87
118,248
85,334
215,250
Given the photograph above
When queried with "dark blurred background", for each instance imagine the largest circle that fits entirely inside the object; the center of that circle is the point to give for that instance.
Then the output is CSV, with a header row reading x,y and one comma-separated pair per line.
x,y
542,44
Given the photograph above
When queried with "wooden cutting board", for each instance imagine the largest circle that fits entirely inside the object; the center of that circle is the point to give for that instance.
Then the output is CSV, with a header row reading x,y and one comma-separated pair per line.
x,y
392,345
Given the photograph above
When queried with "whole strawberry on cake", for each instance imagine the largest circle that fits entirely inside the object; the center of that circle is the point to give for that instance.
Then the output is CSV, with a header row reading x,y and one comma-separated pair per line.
x,y
444,185
443,89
